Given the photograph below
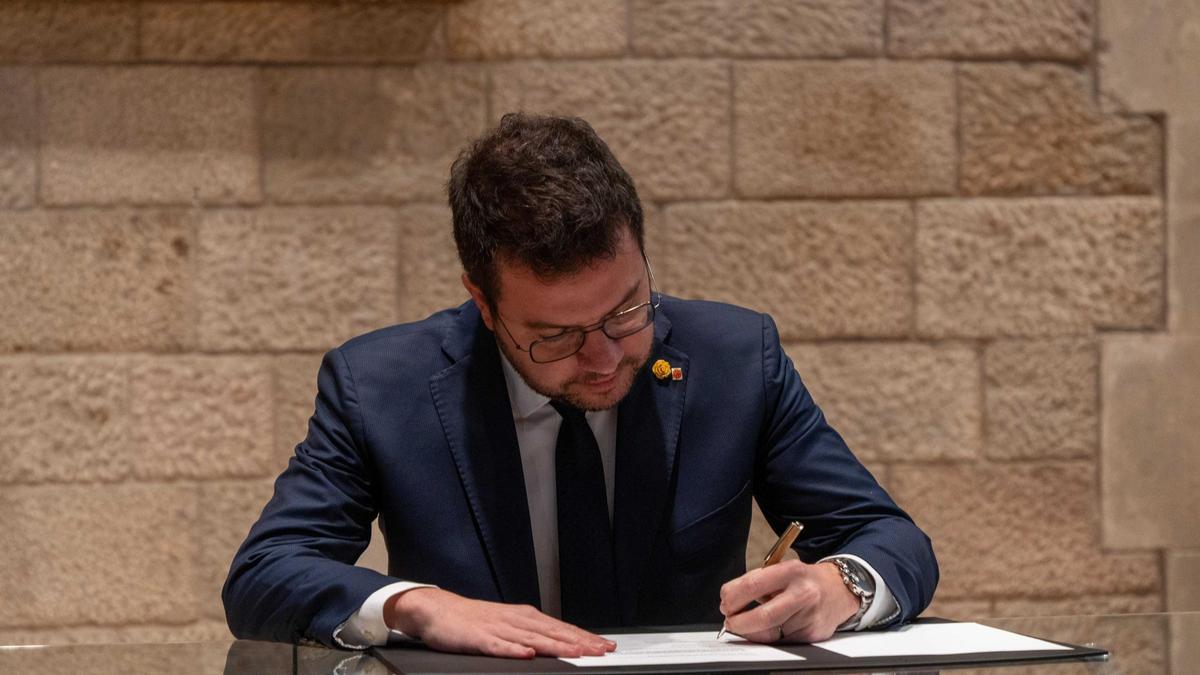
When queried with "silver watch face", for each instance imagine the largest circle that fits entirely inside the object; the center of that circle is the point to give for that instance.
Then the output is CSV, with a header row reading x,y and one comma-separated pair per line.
x,y
859,577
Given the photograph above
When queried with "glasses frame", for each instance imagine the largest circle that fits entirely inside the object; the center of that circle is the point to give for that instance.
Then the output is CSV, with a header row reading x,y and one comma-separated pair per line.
x,y
653,303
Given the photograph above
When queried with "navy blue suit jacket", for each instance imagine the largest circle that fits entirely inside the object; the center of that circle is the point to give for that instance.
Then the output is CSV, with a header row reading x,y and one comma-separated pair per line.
x,y
413,425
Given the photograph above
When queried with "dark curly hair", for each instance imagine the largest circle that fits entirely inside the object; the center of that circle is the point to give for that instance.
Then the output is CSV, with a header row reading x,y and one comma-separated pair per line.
x,y
541,191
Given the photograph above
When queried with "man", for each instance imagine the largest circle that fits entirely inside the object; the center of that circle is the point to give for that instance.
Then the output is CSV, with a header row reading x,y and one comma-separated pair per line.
x,y
569,450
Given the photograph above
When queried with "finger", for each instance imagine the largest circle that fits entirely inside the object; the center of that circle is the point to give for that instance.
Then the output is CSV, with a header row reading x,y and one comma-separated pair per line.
x,y
763,636
756,584
560,630
766,617
796,629
582,638
497,646
548,646
805,629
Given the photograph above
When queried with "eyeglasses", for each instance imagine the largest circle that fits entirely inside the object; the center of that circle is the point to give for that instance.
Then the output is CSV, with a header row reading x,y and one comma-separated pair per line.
x,y
570,341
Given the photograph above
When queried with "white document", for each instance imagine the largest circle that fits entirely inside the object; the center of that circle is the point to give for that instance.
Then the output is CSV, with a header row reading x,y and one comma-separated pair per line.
x,y
663,649
924,639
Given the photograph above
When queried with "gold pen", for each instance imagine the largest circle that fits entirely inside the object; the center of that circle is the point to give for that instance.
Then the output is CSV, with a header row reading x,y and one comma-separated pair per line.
x,y
777,552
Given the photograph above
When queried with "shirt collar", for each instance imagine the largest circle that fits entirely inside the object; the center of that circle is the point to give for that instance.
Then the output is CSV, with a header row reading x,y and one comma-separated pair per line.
x,y
524,400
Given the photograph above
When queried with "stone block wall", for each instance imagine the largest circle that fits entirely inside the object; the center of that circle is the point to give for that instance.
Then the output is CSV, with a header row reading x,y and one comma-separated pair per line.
x,y
965,235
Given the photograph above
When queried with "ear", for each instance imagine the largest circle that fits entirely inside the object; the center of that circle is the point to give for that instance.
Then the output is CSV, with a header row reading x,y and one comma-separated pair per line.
x,y
480,301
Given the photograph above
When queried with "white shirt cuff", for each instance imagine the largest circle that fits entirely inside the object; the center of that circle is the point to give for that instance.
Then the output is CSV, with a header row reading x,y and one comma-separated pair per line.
x,y
883,606
366,627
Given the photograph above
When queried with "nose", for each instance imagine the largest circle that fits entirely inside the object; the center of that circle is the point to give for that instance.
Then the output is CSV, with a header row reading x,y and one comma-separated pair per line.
x,y
599,353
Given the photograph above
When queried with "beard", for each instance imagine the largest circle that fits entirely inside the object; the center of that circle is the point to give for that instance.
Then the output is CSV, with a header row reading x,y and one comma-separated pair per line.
x,y
573,391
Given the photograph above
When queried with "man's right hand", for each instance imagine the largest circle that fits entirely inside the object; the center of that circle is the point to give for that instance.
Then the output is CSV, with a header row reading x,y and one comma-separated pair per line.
x,y
452,623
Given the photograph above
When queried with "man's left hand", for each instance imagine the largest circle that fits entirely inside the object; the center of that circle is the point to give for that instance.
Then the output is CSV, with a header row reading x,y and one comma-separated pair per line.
x,y
799,603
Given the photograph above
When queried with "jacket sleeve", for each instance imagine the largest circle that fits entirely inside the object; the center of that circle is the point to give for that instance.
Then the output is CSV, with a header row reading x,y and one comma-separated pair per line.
x,y
294,577
805,472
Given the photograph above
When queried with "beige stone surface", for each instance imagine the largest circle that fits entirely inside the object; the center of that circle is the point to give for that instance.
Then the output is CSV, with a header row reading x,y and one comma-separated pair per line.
x,y
200,416
654,237
1098,604
667,122
1184,207
773,28
34,31
18,137
64,418
148,135
1150,448
898,401
1148,64
1138,645
106,418
1042,399
430,277
98,554
1150,383
1037,129
1185,647
93,280
199,631
820,269
498,29
1146,54
294,279
850,128
295,382
1038,267
1183,581
1017,530
230,508
291,31
367,134
982,29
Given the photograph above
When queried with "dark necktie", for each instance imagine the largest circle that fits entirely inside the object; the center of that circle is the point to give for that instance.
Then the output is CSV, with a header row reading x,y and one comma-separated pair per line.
x,y
587,578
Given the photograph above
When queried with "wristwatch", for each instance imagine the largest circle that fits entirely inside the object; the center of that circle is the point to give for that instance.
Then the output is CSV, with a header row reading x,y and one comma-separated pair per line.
x,y
860,582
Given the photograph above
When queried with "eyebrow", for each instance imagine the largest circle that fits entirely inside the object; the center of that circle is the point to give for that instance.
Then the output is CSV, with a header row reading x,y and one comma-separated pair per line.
x,y
620,305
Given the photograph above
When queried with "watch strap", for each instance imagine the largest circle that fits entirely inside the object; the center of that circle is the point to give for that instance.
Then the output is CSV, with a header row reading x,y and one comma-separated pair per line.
x,y
859,582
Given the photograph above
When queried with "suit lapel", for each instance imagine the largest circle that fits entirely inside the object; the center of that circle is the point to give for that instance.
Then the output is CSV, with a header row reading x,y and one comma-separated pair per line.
x,y
472,403
648,421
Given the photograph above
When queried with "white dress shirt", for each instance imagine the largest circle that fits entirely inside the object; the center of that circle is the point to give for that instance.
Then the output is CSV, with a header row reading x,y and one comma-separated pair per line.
x,y
537,424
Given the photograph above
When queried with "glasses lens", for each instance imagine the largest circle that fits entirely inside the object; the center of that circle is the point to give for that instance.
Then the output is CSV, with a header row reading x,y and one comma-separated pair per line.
x,y
557,347
629,322
616,327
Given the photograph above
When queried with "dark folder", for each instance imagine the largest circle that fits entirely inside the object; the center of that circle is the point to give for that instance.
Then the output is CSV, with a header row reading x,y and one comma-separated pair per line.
x,y
416,659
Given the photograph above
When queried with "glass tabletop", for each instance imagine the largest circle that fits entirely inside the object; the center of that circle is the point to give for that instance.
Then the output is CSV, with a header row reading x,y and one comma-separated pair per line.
x,y
1166,643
